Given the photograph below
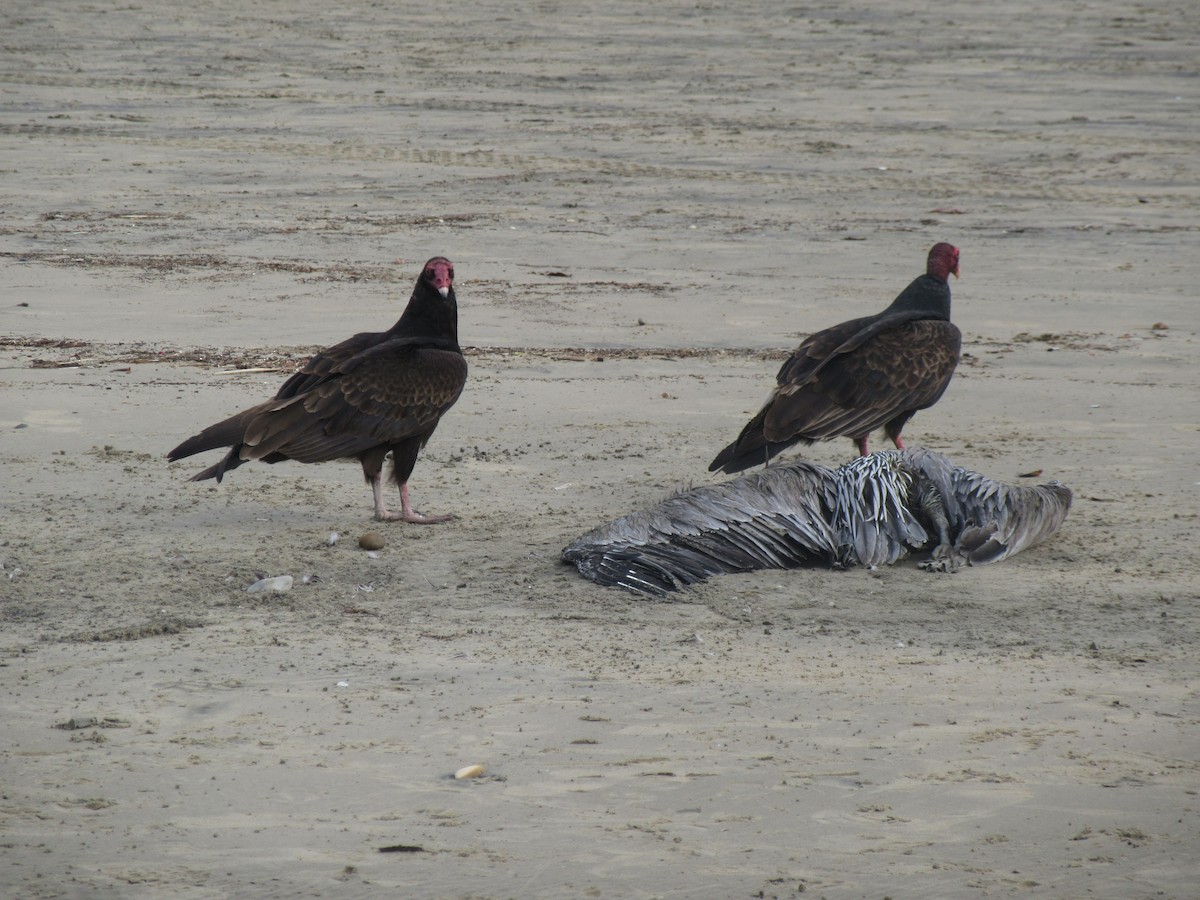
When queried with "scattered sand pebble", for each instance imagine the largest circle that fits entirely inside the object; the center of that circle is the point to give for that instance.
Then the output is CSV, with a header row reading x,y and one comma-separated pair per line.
x,y
468,772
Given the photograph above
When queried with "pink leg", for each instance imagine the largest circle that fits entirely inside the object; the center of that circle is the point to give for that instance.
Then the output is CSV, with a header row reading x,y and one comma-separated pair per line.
x,y
862,445
407,513
382,513
411,515
899,443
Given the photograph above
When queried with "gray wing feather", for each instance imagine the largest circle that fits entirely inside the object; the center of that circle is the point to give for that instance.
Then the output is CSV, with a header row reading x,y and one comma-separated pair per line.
x,y
777,518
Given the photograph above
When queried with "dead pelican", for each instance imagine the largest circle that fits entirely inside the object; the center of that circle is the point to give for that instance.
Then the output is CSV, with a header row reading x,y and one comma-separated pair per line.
x,y
872,511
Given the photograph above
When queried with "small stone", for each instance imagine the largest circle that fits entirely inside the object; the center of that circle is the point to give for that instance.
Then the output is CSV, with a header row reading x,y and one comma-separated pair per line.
x,y
372,540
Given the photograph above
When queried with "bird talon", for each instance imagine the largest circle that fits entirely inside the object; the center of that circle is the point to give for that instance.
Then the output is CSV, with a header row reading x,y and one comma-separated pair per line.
x,y
415,518
943,559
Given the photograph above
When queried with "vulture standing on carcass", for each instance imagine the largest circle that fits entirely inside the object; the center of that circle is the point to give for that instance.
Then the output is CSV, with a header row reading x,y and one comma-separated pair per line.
x,y
871,511
372,394
864,374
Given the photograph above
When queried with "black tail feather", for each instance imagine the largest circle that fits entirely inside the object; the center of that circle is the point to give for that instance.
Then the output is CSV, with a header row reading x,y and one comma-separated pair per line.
x,y
231,460
224,434
742,455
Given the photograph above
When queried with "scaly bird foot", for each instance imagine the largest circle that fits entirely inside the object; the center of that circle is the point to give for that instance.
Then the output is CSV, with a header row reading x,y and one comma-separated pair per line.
x,y
944,558
413,517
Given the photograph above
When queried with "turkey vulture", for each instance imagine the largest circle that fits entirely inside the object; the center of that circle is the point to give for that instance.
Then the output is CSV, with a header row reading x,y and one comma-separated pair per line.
x,y
850,379
871,511
374,393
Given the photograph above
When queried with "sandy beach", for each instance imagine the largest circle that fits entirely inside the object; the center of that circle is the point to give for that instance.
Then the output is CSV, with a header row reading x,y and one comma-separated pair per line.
x,y
648,207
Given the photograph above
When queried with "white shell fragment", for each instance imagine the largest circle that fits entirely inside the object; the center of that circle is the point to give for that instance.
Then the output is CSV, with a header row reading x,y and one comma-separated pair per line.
x,y
278,583
332,539
469,772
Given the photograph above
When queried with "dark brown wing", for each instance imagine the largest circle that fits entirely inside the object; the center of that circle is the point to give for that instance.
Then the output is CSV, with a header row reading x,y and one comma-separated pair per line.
x,y
817,349
852,392
838,383
325,361
394,391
